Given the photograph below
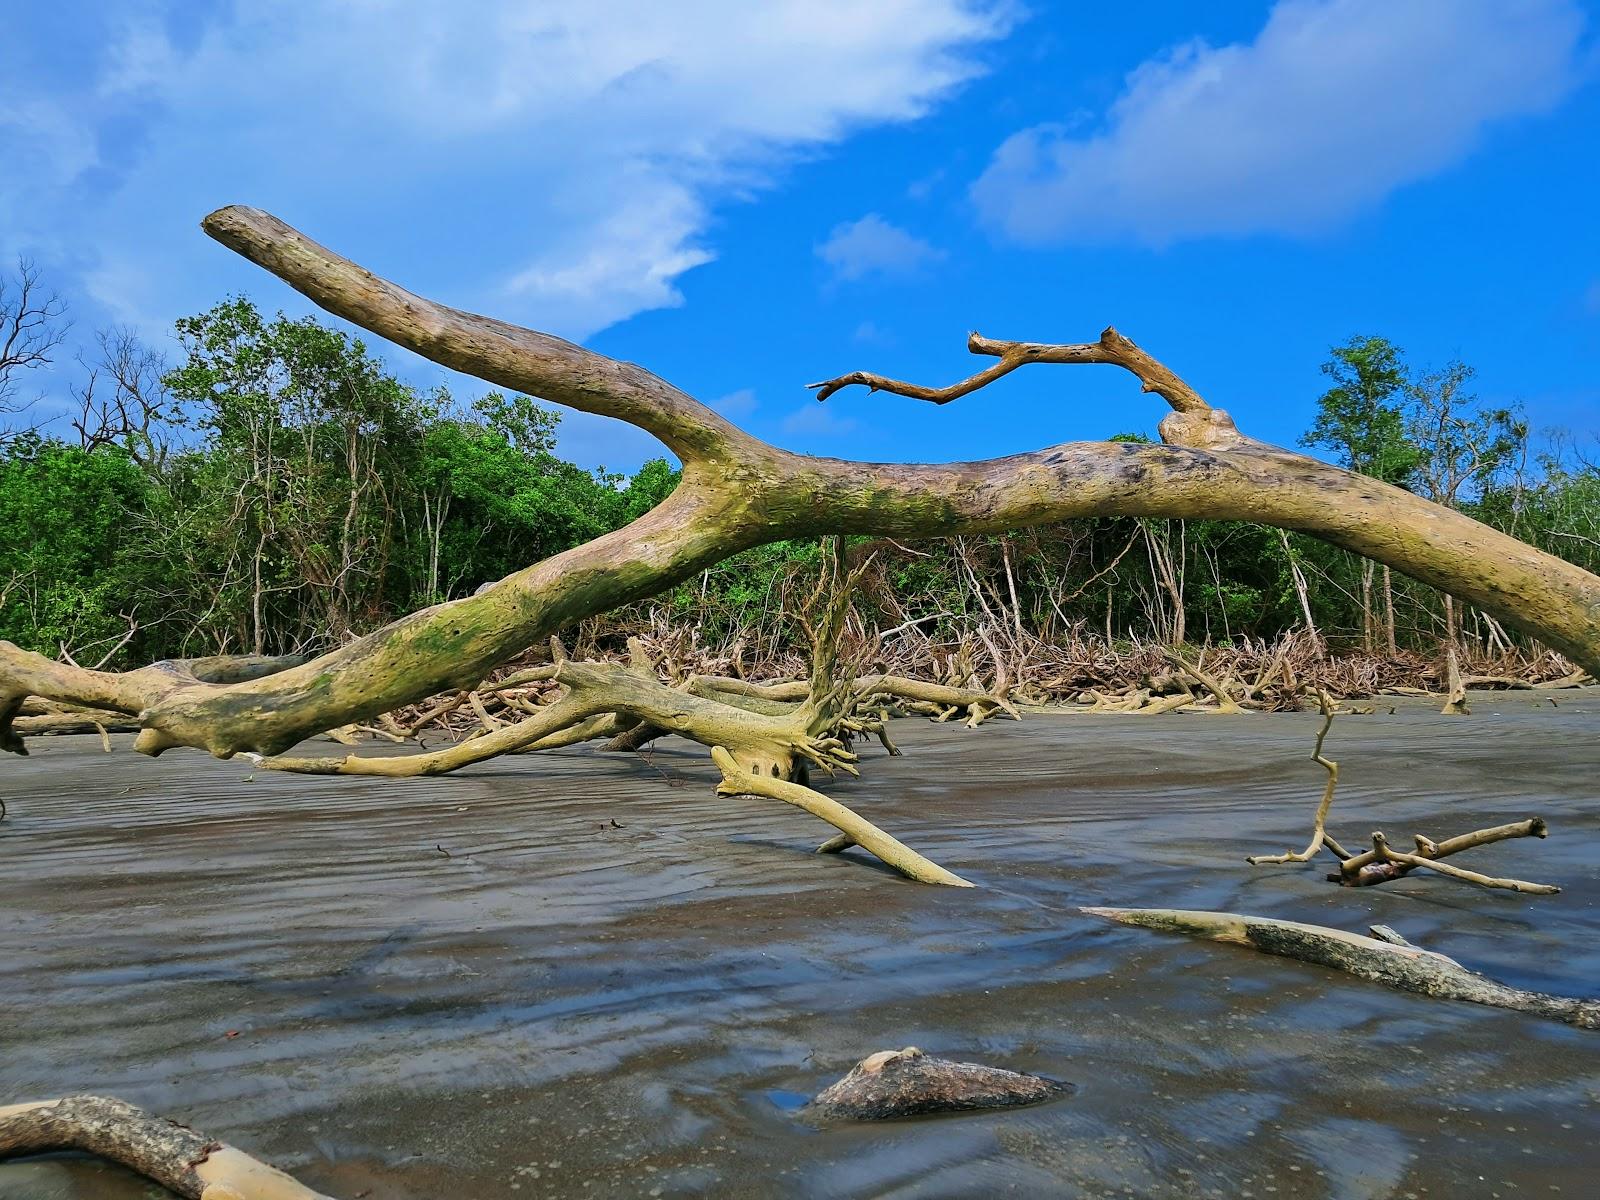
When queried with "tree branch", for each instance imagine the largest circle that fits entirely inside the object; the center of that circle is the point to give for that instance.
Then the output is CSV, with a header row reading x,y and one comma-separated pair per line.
x,y
1112,348
539,364
738,781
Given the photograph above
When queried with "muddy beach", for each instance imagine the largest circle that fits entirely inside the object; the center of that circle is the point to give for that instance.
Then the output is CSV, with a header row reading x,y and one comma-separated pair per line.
x,y
584,974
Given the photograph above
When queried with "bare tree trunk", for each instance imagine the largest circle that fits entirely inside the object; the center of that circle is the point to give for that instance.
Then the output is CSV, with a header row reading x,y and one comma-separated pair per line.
x,y
1301,591
1167,576
1368,637
1388,613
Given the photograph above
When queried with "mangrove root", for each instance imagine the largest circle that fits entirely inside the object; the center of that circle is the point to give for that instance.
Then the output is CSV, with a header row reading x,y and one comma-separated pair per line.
x,y
1396,964
175,1156
909,1083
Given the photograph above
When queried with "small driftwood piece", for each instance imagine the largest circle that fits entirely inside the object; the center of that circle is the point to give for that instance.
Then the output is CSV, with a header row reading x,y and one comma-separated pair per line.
x,y
1383,862
1455,701
1387,958
909,1083
175,1156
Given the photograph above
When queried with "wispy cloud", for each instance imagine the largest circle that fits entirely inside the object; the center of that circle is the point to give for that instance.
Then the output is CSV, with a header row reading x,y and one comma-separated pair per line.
x,y
1335,104
873,247
567,156
736,404
818,420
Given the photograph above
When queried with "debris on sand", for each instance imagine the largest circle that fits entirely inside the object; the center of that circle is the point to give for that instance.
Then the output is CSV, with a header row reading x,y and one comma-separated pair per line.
x,y
908,1083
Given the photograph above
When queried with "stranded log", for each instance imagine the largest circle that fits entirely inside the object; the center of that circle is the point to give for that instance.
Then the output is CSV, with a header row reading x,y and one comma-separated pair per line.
x,y
175,1156
1401,966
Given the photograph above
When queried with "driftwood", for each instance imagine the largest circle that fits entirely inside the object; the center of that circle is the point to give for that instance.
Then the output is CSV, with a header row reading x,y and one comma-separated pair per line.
x,y
1387,958
776,731
761,740
1383,863
1319,823
175,1156
909,1083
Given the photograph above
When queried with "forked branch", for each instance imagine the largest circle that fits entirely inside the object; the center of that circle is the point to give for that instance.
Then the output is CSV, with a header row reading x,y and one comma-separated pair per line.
x,y
1112,348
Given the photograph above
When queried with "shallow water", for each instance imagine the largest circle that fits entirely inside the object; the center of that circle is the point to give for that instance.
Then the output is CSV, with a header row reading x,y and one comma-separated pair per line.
x,y
582,974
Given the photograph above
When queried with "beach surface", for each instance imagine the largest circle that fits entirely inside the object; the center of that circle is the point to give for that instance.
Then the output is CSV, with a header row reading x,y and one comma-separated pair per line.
x,y
585,974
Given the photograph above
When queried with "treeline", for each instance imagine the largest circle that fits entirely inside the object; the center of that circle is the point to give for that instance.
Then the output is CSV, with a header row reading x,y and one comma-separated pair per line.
x,y
278,489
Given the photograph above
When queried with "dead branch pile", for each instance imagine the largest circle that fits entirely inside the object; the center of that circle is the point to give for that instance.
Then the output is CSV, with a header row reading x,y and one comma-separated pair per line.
x,y
1146,678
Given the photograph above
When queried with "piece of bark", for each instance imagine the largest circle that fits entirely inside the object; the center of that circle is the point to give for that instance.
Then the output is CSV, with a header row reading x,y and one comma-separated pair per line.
x,y
1405,967
909,1083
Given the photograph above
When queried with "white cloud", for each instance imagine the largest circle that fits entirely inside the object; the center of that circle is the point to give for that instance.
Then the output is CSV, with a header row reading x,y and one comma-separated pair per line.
x,y
563,157
623,263
872,246
736,404
1334,105
817,420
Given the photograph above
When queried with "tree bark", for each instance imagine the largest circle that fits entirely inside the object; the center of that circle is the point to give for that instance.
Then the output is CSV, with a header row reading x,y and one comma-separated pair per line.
x,y
739,492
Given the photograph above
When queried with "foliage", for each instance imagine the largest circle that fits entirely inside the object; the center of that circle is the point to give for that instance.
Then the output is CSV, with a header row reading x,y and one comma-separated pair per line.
x,y
1361,418
65,569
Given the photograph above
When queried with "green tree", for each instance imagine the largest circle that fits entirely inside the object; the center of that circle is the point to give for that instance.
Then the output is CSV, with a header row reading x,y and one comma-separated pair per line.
x,y
1362,416
66,570
1362,419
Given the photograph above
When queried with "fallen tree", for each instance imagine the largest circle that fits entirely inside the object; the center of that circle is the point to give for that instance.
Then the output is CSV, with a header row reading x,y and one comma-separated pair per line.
x,y
737,492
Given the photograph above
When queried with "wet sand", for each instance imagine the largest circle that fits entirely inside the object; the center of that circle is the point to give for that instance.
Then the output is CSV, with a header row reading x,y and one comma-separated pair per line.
x,y
583,974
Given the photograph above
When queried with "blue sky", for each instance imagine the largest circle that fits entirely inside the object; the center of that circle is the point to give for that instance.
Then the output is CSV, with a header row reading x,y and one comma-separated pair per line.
x,y
747,197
